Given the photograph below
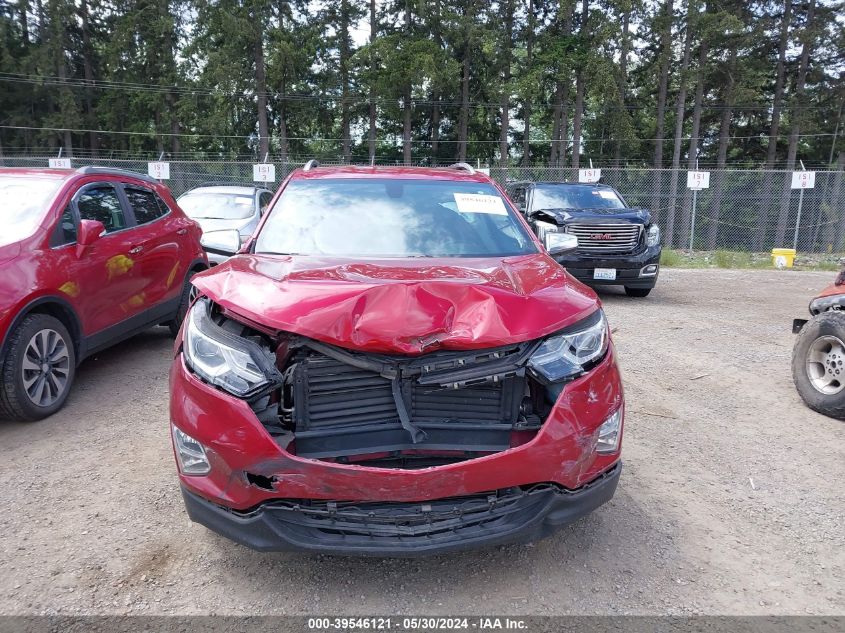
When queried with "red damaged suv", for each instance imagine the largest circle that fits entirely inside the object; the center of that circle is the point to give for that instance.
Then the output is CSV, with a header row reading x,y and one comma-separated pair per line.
x,y
393,365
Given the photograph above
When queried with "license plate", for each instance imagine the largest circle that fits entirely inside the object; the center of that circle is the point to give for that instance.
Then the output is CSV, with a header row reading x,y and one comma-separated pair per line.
x,y
607,274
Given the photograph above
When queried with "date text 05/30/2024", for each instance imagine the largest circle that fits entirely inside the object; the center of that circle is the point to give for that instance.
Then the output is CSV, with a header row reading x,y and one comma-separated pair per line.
x,y
416,623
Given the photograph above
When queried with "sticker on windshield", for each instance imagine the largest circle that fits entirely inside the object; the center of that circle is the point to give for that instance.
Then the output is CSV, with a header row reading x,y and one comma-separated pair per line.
x,y
243,200
608,195
480,203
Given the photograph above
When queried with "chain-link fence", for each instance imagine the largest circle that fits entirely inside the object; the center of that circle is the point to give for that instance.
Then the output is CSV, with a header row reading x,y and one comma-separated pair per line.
x,y
746,210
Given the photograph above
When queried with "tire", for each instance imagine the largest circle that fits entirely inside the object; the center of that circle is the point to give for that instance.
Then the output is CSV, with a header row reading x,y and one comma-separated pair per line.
x,y
818,364
37,373
184,304
637,292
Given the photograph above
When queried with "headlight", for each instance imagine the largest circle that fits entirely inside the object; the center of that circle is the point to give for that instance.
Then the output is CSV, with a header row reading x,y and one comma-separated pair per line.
x,y
609,433
543,228
190,453
231,362
652,236
569,352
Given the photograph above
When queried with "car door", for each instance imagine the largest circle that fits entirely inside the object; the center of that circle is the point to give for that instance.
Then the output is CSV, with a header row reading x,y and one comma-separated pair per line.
x,y
102,278
155,247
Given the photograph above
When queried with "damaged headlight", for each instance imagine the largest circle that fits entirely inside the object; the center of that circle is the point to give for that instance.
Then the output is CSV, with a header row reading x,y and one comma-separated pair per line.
x,y
571,351
609,433
652,236
231,362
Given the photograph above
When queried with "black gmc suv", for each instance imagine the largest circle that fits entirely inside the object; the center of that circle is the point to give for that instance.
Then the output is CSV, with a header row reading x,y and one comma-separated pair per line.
x,y
617,245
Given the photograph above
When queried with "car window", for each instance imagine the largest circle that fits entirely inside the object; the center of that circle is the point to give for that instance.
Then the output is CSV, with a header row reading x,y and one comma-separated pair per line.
x,y
101,203
146,205
264,201
574,197
24,201
66,229
205,205
518,197
393,218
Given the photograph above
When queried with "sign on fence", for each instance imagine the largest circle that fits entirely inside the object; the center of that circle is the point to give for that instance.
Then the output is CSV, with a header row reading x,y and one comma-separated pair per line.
x,y
698,180
59,163
264,172
803,179
159,171
589,175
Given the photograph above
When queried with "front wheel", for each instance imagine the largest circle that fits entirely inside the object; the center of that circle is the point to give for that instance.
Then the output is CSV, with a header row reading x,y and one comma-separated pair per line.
x,y
818,364
189,293
36,375
637,292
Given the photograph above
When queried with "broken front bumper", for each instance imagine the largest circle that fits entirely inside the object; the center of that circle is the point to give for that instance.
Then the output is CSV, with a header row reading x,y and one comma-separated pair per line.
x,y
406,529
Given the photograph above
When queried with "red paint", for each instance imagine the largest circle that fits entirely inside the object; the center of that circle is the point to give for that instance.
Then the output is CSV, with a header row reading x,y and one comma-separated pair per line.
x,y
407,306
103,283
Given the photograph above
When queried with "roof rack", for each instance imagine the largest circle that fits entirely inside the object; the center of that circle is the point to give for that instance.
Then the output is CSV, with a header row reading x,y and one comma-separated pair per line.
x,y
94,169
464,167
311,164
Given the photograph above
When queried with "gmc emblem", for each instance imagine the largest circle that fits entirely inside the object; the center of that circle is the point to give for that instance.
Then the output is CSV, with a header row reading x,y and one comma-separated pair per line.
x,y
601,236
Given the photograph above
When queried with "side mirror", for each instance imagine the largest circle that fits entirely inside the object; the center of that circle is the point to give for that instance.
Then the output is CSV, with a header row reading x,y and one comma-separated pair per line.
x,y
89,232
560,243
222,242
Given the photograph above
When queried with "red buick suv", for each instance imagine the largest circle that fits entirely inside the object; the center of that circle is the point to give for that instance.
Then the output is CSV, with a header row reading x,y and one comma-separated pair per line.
x,y
88,257
393,365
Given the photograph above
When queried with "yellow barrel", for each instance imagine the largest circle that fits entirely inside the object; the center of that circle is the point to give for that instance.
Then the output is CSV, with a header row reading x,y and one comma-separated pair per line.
x,y
783,257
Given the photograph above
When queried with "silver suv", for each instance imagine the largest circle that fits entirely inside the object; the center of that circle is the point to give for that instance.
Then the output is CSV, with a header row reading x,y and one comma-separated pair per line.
x,y
225,208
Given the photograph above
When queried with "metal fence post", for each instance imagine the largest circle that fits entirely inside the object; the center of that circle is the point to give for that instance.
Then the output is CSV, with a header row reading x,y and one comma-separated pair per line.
x,y
798,219
692,218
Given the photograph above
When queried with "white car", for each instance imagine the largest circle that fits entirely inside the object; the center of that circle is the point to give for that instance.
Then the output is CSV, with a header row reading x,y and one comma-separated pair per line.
x,y
225,208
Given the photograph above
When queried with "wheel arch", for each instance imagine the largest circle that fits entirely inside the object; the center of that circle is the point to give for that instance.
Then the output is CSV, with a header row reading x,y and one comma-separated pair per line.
x,y
55,307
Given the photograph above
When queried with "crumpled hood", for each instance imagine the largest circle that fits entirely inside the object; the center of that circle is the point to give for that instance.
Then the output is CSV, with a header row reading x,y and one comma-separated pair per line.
x,y
565,216
405,306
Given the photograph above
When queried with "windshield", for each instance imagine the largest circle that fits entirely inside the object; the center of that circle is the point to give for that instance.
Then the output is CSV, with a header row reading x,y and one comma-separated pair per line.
x,y
574,197
23,202
392,218
218,206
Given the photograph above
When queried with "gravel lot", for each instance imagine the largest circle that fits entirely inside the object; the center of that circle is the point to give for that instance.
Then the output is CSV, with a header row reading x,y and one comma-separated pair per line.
x,y
731,500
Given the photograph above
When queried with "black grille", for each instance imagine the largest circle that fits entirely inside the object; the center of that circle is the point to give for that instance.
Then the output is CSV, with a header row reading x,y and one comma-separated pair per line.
x,y
407,524
460,401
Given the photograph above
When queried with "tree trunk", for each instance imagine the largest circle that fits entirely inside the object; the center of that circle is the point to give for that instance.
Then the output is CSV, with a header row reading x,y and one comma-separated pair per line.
x,y
526,108
463,118
556,124
722,154
797,117
371,135
771,151
261,91
662,87
774,129
579,91
623,77
283,125
23,10
344,79
692,159
560,115
88,71
680,107
507,45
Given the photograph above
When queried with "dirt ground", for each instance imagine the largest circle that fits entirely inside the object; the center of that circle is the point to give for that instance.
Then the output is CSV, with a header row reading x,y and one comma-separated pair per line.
x,y
731,501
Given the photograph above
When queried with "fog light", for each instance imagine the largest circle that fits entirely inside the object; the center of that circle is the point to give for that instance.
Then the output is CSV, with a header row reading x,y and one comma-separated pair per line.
x,y
609,433
649,271
190,453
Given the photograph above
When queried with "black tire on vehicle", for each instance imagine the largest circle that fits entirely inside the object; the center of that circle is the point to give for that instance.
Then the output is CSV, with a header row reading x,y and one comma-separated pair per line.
x,y
184,303
818,364
637,292
38,370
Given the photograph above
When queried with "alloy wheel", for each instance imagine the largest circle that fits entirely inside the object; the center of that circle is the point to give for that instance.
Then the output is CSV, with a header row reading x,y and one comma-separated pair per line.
x,y
46,367
826,365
